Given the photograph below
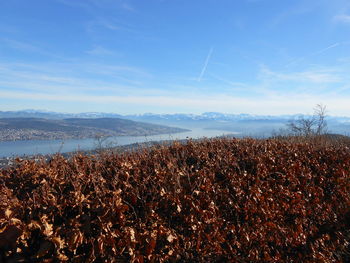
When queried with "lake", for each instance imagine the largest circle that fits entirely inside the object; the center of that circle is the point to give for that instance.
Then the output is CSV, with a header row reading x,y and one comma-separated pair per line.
x,y
33,147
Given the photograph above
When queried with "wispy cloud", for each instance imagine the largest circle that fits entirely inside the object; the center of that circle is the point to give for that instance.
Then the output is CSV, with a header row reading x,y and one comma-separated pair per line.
x,y
110,25
98,23
122,4
318,52
325,49
91,5
128,7
116,70
310,76
101,51
20,45
342,18
8,29
294,9
79,77
282,104
85,5
232,84
205,65
28,47
275,92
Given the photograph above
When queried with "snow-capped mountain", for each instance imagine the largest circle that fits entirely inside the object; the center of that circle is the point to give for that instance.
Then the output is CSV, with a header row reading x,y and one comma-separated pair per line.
x,y
211,116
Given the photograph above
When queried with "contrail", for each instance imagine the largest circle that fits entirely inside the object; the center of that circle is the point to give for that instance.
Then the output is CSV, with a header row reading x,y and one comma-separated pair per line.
x,y
313,54
205,65
325,49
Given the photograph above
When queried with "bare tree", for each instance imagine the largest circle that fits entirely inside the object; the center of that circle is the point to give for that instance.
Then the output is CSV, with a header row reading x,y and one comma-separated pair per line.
x,y
321,123
302,126
314,125
103,142
99,141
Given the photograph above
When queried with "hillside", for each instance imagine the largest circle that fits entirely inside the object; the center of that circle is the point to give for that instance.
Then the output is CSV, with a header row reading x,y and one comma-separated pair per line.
x,y
220,200
247,124
37,128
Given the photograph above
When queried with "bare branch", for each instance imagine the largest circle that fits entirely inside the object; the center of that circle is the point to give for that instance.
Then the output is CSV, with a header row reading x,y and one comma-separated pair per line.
x,y
315,125
320,112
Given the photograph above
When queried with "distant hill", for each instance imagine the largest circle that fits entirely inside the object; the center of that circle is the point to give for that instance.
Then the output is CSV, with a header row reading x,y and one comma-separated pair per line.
x,y
55,115
247,124
206,116
40,128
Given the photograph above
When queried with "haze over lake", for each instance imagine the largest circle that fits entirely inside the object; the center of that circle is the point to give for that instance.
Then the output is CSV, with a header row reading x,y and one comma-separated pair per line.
x,y
34,147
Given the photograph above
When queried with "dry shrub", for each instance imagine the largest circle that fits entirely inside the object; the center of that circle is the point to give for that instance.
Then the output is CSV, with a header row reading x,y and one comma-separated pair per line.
x,y
222,200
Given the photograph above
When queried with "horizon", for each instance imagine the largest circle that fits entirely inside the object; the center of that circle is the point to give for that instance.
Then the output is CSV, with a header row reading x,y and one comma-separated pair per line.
x,y
261,57
34,111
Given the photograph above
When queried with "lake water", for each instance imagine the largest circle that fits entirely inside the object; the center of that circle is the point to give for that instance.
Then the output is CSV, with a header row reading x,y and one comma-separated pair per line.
x,y
33,147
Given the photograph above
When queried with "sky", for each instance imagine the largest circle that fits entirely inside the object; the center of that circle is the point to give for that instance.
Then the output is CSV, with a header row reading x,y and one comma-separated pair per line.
x,y
175,56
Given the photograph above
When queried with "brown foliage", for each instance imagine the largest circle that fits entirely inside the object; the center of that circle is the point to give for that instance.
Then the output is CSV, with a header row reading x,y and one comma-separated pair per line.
x,y
211,201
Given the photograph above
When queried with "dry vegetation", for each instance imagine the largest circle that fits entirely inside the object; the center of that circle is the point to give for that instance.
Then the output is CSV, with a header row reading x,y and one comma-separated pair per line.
x,y
210,201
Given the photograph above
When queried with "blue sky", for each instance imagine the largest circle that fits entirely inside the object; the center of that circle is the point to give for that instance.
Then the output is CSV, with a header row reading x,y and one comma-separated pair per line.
x,y
166,56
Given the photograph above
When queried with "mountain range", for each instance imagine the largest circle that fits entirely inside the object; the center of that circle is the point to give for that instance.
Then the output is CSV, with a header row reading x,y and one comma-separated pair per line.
x,y
244,124
206,116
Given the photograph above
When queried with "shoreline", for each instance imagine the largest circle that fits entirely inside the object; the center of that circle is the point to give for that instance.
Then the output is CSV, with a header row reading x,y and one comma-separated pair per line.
x,y
6,162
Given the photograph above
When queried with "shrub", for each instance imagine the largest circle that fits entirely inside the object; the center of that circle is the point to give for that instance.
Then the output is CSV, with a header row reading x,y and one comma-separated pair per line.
x,y
222,200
